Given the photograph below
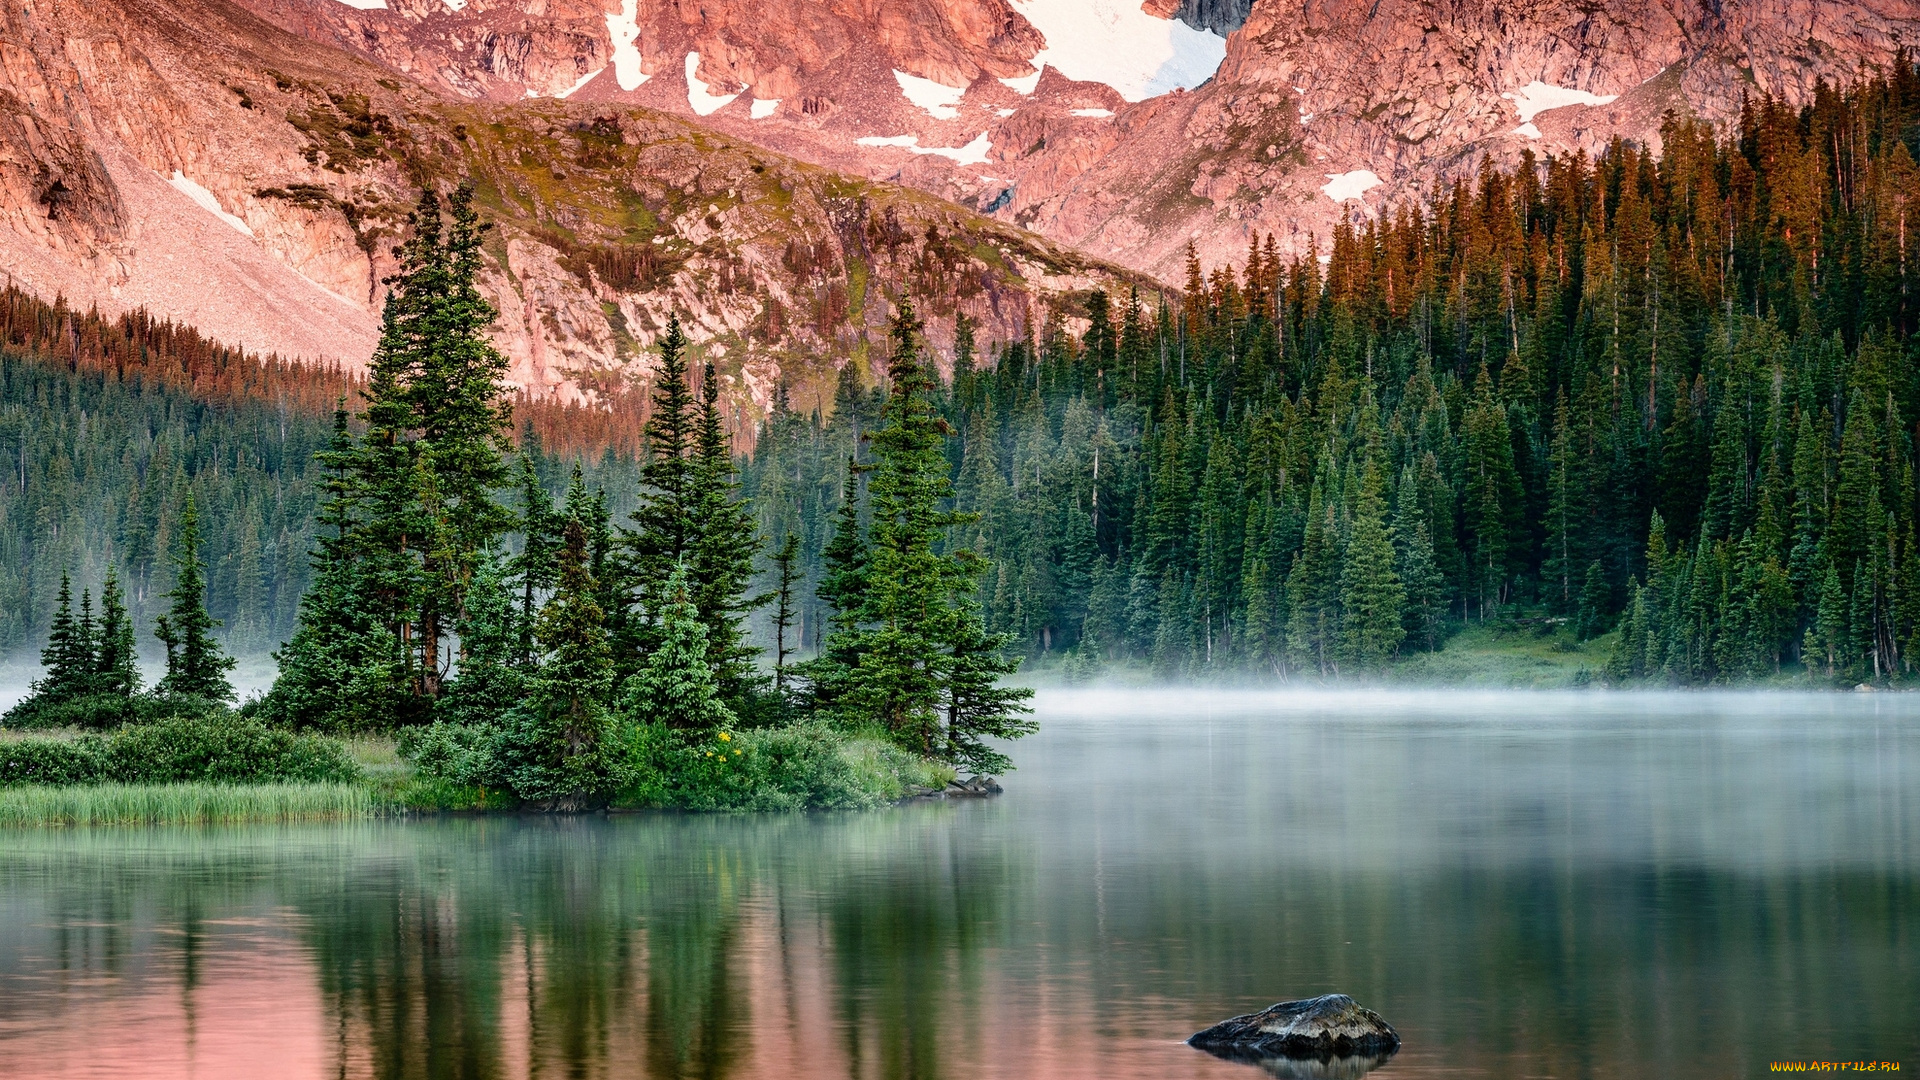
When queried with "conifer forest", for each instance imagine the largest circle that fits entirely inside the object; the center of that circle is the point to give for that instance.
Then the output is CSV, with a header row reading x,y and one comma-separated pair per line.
x,y
1665,396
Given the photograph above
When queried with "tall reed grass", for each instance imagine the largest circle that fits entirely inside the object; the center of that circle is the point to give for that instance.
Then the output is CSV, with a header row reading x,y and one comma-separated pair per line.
x,y
182,804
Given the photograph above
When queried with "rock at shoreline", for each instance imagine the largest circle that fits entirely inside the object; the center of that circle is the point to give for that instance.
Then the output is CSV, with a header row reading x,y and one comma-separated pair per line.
x,y
1334,1030
974,787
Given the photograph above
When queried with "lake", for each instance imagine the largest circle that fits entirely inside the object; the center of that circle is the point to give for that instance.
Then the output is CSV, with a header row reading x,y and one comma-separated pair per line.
x,y
1524,885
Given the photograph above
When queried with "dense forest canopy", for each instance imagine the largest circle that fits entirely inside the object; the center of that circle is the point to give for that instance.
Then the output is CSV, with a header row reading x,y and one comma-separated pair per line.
x,y
1672,393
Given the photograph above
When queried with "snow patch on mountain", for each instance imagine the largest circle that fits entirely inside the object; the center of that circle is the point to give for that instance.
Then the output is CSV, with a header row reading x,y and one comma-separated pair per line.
x,y
1528,130
763,108
577,87
974,153
623,28
1024,85
366,5
704,102
1097,114
1537,97
1350,185
206,201
1117,43
938,99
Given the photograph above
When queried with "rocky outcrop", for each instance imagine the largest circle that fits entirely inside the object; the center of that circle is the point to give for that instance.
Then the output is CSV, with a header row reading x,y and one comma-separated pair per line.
x,y
1399,97
188,157
1333,1025
1418,92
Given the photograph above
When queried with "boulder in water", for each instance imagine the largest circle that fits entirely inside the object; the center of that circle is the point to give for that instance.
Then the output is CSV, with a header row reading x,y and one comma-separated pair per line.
x,y
1333,1025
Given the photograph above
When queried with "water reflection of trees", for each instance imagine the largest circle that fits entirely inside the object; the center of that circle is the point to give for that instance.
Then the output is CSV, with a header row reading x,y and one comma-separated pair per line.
x,y
590,948
900,945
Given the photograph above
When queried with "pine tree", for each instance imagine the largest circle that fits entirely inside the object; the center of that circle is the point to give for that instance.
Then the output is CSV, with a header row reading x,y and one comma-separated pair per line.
x,y
721,549
978,705
1828,637
116,662
1563,515
912,646
69,665
1417,569
537,566
494,669
669,499
558,746
196,666
785,562
1371,594
676,688
68,657
1312,590
896,672
1593,617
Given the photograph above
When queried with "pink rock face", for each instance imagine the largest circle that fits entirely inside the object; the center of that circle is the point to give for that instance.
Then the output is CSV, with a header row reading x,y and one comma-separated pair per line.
x,y
1417,92
194,159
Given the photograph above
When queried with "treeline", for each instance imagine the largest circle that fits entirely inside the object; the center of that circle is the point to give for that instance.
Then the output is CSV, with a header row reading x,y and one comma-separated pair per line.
x,y
106,424
1672,394
1669,391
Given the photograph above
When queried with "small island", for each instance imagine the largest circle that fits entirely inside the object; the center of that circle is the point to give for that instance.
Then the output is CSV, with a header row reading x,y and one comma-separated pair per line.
x,y
469,643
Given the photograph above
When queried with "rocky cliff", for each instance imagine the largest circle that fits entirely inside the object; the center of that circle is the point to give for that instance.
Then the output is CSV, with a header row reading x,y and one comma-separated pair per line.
x,y
192,158
1127,128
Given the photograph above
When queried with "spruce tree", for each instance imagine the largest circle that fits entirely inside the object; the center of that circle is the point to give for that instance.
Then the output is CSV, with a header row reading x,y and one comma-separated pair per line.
x,y
68,674
116,670
676,687
1415,565
67,659
1312,590
1371,595
558,746
721,549
978,705
663,524
1591,617
912,646
786,576
537,566
493,671
196,666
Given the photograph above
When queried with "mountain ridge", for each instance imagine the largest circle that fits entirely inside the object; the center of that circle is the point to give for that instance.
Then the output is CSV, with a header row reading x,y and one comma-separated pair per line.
x,y
187,157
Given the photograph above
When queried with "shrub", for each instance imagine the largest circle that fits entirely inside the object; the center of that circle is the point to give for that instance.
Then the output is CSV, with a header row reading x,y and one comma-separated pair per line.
x,y
804,767
98,711
219,748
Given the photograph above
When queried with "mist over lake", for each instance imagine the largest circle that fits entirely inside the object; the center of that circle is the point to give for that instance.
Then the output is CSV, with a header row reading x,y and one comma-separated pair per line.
x,y
1522,884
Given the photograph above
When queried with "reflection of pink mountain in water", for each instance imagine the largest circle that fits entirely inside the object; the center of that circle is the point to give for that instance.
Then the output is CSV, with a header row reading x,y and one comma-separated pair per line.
x,y
256,1009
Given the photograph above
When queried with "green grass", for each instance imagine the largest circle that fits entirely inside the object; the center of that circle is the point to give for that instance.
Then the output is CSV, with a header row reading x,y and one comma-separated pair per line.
x,y
183,804
1520,657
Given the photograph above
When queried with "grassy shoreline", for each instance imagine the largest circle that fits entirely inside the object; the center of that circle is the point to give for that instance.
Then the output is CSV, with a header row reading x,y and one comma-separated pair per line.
x,y
185,804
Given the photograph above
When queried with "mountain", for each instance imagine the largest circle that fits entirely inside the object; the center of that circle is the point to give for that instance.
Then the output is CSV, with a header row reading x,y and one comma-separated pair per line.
x,y
189,157
1129,129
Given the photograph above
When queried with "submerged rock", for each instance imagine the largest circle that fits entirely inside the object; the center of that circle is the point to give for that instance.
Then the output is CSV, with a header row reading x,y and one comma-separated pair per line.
x,y
1325,1028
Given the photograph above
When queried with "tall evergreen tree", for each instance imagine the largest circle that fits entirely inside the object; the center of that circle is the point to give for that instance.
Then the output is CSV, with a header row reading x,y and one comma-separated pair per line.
x,y
1371,594
196,666
721,548
787,576
558,745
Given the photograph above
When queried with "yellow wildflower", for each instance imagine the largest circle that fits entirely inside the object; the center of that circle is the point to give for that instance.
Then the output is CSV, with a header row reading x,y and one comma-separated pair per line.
x,y
724,737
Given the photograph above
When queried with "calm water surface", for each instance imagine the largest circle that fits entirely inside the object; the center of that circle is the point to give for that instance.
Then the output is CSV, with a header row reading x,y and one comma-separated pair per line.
x,y
1525,885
